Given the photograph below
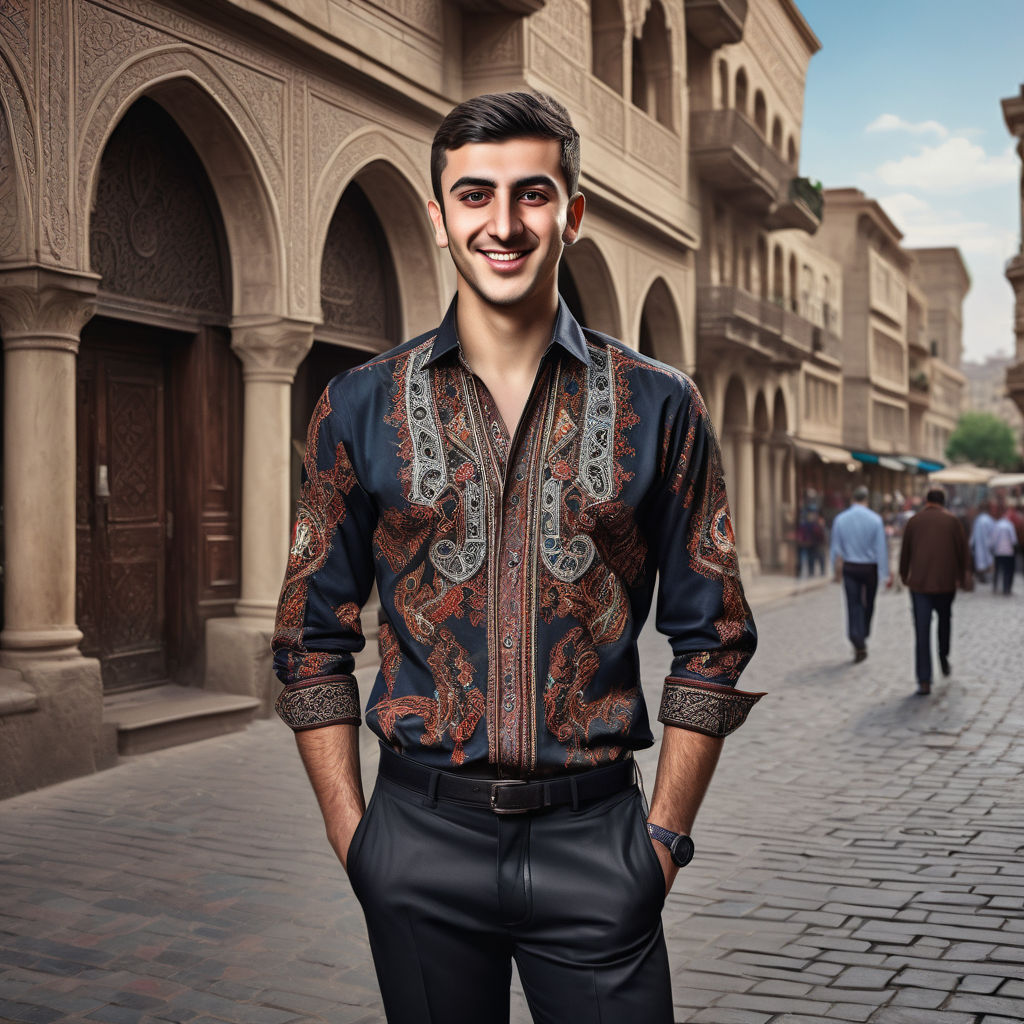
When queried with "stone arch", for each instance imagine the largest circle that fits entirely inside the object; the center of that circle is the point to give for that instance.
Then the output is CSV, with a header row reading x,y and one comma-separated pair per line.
x,y
397,189
761,112
735,414
762,482
18,159
652,66
762,424
599,299
791,153
780,414
763,285
607,38
794,285
660,331
740,101
723,84
234,154
778,276
777,134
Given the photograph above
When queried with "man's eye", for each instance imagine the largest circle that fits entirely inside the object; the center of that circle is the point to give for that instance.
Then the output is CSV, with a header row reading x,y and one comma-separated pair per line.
x,y
534,197
474,197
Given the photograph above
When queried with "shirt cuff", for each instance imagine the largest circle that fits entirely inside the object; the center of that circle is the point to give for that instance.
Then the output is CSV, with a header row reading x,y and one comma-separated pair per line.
x,y
710,708
329,700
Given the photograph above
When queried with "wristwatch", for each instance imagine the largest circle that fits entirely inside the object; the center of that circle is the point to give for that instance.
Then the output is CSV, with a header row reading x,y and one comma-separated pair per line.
x,y
679,846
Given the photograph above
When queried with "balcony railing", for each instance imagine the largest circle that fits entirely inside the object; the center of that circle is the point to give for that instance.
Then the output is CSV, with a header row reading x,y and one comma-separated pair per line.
x,y
715,23
733,314
732,155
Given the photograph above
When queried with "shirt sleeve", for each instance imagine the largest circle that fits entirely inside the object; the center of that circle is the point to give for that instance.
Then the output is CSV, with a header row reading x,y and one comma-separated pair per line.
x,y
328,580
835,546
701,607
881,551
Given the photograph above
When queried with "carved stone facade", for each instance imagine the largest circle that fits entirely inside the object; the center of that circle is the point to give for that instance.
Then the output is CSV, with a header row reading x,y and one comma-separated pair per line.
x,y
1013,112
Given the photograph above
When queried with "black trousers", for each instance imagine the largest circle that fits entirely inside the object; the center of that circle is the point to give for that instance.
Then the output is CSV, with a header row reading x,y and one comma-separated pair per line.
x,y
453,893
922,606
1005,565
860,581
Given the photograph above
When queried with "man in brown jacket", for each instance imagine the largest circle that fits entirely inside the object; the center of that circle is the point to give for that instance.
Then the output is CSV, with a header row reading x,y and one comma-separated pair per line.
x,y
933,561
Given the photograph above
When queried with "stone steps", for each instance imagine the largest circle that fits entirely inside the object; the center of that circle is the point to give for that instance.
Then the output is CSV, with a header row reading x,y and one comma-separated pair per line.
x,y
169,715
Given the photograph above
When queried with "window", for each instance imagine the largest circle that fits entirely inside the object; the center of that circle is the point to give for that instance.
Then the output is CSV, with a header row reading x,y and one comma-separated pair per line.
x,y
607,36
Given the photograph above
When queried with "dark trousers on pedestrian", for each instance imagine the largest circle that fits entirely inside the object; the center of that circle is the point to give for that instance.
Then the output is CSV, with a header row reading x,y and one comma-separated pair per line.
x,y
860,581
453,893
1004,571
922,606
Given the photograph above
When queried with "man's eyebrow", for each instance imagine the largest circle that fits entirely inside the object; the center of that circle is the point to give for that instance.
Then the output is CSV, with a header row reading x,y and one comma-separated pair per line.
x,y
530,182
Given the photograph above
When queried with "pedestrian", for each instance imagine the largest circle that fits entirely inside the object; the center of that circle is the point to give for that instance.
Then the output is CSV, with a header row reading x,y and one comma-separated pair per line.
x,y
1004,551
514,483
981,543
933,562
858,540
807,534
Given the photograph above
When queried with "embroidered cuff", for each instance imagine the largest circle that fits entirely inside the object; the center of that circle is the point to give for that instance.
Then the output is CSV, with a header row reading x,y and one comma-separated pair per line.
x,y
329,700
709,708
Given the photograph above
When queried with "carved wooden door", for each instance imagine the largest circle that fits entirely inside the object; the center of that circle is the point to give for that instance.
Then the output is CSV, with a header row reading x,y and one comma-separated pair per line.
x,y
122,511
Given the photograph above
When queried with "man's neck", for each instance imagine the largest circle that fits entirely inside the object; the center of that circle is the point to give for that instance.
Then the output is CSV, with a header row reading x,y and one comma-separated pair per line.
x,y
504,341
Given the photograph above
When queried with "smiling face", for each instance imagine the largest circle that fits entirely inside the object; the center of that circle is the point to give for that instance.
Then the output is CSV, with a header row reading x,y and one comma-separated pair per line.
x,y
506,217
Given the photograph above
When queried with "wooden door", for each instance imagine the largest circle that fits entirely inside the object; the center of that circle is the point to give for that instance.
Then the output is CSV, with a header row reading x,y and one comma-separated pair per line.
x,y
123,521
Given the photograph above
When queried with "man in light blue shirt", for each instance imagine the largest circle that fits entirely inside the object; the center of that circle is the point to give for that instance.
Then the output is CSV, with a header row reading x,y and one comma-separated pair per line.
x,y
858,538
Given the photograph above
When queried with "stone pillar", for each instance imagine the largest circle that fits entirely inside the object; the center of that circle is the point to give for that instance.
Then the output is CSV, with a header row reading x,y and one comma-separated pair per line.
x,y
41,314
743,516
271,350
51,698
764,506
238,649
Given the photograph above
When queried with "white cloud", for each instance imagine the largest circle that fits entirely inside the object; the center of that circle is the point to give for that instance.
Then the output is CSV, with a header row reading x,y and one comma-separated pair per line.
x,y
894,123
954,165
923,225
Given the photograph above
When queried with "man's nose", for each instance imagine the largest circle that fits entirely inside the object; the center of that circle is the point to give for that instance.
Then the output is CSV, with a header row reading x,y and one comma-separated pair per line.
x,y
505,222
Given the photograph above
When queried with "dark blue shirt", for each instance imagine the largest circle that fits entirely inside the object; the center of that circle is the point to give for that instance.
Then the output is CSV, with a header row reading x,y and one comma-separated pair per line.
x,y
514,573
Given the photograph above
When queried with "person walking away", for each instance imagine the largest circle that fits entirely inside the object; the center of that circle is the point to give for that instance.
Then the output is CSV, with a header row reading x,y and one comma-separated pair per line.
x,y
981,543
1004,552
933,562
858,539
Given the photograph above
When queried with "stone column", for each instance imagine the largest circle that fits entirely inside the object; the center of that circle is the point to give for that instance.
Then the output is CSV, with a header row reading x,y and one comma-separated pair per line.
x,y
238,648
764,505
271,349
744,510
41,314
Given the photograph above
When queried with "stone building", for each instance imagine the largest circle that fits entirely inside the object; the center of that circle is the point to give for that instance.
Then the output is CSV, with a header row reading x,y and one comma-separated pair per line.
x,y
209,210
986,392
936,383
759,304
1013,112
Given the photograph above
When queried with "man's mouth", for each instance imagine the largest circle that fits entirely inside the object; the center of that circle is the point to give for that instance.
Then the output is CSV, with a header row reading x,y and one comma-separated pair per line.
x,y
504,257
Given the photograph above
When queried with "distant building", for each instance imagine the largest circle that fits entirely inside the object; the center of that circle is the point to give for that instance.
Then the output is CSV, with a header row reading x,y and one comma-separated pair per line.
x,y
986,391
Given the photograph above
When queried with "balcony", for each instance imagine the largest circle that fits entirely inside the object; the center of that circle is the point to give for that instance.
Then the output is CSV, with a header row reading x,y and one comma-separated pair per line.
x,y
732,155
715,23
802,208
728,317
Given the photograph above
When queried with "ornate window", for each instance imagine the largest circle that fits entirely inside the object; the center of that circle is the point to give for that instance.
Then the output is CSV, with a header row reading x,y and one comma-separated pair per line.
x,y
652,67
607,36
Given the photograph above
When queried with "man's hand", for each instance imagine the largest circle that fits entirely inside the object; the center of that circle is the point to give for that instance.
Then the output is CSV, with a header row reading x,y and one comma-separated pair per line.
x,y
888,582
331,757
668,865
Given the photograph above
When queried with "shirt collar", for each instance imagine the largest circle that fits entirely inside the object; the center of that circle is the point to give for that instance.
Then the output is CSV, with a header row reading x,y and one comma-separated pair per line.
x,y
567,333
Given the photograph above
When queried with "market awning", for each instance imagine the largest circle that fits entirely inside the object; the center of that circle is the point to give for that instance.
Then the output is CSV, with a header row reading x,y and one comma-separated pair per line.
x,y
885,461
1007,480
827,453
962,473
917,465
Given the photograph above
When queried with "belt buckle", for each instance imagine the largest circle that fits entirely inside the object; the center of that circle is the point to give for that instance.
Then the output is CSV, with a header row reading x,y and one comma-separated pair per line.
x,y
502,784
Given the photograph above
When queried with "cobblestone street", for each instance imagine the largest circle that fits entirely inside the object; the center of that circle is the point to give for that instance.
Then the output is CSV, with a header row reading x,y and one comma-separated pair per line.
x,y
859,856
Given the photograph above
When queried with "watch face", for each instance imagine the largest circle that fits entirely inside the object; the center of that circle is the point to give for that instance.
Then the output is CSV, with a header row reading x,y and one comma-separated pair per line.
x,y
681,850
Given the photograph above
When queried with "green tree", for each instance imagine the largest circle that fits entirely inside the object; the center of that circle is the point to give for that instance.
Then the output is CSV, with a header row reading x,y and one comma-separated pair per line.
x,y
983,439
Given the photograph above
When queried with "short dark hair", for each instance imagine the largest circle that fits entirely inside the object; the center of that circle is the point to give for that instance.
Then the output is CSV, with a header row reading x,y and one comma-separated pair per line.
x,y
496,117
860,493
937,496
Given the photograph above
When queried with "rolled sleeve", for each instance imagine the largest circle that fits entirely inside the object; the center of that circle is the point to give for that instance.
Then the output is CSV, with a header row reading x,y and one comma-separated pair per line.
x,y
701,606
327,581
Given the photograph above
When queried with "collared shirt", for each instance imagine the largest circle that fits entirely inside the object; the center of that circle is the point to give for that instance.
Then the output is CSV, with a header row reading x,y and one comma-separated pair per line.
x,y
1004,538
514,573
858,535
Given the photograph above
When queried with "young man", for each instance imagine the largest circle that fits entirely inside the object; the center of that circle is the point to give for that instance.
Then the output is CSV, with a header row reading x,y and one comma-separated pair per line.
x,y
858,538
933,563
514,483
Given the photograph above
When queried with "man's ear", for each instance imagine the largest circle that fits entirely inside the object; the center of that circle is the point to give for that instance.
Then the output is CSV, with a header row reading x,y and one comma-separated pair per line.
x,y
437,219
574,218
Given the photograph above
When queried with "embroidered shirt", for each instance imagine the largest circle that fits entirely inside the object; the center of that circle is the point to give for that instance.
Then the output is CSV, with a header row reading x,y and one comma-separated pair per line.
x,y
514,573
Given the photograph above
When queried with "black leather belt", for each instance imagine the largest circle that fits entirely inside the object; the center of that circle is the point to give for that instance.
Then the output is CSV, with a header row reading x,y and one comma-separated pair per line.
x,y
507,796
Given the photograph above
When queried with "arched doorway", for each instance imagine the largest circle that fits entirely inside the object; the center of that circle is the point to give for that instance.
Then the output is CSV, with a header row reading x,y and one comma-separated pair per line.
x,y
652,66
661,332
586,283
158,412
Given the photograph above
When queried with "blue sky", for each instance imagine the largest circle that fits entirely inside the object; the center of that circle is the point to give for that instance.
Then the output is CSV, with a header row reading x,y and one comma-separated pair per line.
x,y
902,101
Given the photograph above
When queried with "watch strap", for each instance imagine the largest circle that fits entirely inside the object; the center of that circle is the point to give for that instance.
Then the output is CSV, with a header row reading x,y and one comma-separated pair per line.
x,y
663,835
